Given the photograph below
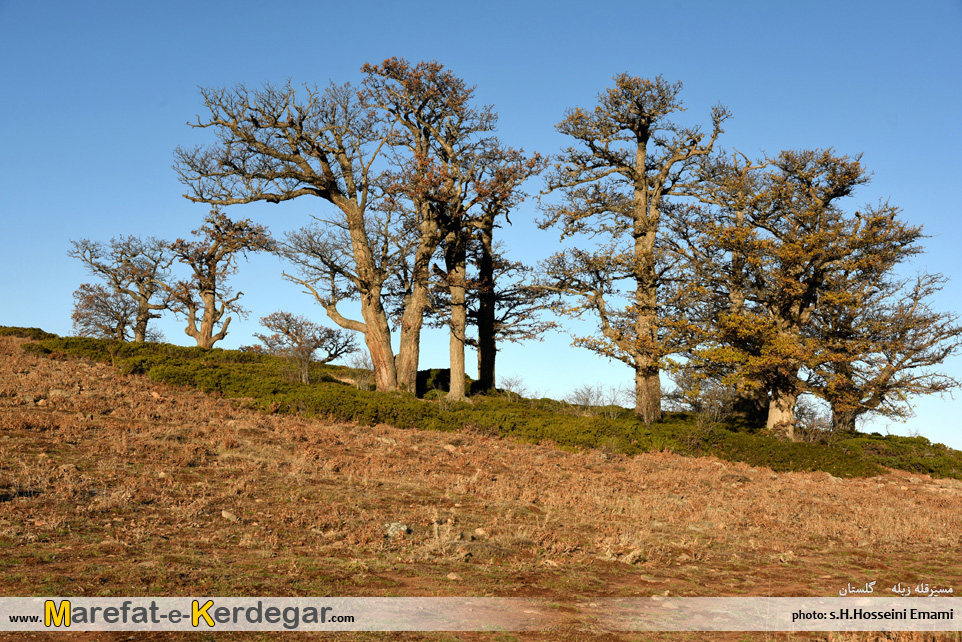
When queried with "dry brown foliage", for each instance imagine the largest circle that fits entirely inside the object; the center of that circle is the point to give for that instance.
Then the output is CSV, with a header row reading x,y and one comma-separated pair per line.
x,y
114,485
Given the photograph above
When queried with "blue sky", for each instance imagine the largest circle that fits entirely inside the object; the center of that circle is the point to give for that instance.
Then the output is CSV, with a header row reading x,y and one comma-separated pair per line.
x,y
96,96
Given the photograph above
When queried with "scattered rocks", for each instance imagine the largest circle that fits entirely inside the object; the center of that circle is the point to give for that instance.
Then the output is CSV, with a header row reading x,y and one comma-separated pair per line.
x,y
393,529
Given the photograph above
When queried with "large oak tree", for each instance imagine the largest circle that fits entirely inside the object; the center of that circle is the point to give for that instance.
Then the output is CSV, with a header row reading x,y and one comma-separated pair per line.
x,y
791,259
628,159
277,144
453,178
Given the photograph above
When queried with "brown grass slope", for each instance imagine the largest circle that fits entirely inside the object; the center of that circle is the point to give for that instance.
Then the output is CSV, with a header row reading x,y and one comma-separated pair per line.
x,y
113,485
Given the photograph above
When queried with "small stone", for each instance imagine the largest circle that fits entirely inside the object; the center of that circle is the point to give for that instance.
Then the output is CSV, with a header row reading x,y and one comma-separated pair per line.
x,y
162,475
450,448
454,577
155,394
393,529
229,516
480,532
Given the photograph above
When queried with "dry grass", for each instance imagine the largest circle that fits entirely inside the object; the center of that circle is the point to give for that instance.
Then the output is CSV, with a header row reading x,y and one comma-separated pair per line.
x,y
116,485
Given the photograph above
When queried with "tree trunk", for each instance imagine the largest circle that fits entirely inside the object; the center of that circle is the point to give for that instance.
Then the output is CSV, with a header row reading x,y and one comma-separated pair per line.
x,y
781,412
412,319
645,217
487,344
647,379
750,404
648,394
140,326
204,336
455,261
843,420
409,351
377,337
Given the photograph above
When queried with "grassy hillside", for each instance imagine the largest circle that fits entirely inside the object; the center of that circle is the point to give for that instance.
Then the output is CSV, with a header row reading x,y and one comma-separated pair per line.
x,y
114,484
264,382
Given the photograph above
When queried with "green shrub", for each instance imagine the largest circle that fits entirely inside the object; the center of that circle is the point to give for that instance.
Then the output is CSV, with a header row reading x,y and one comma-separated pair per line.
x,y
260,377
26,333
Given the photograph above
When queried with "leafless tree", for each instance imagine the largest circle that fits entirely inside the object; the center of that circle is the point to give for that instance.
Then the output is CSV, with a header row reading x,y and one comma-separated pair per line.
x,y
132,267
211,260
455,177
299,339
275,144
102,313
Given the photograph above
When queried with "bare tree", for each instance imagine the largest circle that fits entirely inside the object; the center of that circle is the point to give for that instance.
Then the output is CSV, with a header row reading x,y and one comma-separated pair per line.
x,y
299,339
102,313
629,159
212,260
275,145
133,267
453,165
502,305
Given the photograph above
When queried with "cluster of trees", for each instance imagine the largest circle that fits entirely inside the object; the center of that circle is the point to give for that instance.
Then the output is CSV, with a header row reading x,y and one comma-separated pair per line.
x,y
140,285
748,274
418,183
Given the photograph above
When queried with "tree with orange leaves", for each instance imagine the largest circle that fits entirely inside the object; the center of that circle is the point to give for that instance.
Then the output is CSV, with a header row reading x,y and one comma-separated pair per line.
x,y
817,309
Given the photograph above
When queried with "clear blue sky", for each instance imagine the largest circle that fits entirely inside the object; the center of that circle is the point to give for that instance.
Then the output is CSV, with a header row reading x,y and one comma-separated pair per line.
x,y
95,97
